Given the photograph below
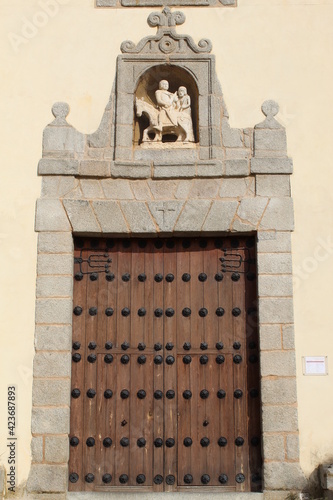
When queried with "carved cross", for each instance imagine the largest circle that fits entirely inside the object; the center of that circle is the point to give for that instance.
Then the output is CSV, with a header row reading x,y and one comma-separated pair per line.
x,y
165,209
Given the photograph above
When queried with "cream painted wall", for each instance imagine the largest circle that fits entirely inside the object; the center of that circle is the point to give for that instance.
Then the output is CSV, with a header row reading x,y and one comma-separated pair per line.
x,y
281,49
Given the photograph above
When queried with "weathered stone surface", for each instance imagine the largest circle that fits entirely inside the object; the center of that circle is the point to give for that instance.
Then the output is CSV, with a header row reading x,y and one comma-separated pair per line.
x,y
326,477
52,364
138,217
274,241
275,286
63,139
102,137
288,337
47,478
231,137
45,496
279,215
252,209
117,189
91,189
95,168
279,419
54,264
183,189
52,166
292,447
54,286
283,475
51,216
54,186
278,363
274,263
276,310
37,449
110,217
50,420
271,166
53,338
54,311
281,390
270,337
237,168
274,495
130,170
165,213
160,3
56,449
213,169
51,392
220,216
273,185
235,188
193,216
174,171
81,216
141,190
162,190
55,242
204,188
270,143
273,447
240,226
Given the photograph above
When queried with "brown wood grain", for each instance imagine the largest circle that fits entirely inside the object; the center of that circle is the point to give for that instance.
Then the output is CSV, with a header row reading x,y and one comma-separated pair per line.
x,y
176,418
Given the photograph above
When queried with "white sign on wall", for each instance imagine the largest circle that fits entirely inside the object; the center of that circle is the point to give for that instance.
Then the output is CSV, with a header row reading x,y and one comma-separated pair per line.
x,y
315,365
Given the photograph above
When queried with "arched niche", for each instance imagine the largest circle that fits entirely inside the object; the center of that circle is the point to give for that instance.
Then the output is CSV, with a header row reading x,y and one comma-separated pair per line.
x,y
148,84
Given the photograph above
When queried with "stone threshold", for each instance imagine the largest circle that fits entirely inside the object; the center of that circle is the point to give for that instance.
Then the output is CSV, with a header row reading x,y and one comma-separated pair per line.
x,y
166,496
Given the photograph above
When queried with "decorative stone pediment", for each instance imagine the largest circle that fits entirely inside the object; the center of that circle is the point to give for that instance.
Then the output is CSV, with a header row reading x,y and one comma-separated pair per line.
x,y
166,40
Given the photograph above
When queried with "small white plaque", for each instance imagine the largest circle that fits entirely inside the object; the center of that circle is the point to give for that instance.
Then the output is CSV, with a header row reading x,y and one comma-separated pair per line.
x,y
315,365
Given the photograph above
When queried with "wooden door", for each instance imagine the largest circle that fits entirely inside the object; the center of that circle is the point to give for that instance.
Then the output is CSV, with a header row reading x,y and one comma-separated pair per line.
x,y
165,372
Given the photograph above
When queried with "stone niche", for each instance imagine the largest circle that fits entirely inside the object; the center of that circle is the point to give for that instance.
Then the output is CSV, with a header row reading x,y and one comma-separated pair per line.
x,y
107,184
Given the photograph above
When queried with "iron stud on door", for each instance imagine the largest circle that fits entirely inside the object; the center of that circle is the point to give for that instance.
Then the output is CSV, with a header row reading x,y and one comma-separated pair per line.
x,y
161,358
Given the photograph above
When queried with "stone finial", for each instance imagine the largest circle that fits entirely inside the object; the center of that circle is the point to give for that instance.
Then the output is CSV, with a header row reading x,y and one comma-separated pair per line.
x,y
270,109
60,111
166,18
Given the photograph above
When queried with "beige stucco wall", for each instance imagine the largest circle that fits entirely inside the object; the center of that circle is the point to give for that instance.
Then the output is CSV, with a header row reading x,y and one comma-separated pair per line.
x,y
280,49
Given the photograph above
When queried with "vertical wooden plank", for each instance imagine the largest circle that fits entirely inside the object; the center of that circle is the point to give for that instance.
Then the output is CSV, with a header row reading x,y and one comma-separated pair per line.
x,y
226,382
170,365
90,404
210,286
158,368
240,370
198,371
183,370
101,366
123,370
137,401
148,367
77,381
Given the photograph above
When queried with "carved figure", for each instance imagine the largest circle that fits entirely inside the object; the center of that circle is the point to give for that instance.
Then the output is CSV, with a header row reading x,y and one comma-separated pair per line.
x,y
171,116
183,104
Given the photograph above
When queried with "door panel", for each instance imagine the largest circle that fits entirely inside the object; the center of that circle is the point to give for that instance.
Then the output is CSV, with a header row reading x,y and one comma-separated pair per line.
x,y
165,372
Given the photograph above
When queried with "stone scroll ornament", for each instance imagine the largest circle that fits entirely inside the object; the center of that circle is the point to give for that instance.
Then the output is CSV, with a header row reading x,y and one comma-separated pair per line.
x,y
166,40
161,3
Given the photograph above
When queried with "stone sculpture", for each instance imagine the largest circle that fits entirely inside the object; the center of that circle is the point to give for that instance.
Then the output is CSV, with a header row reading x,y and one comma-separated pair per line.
x,y
172,115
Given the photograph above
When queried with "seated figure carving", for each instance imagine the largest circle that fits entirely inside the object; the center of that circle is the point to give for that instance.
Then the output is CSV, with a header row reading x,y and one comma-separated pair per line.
x,y
172,115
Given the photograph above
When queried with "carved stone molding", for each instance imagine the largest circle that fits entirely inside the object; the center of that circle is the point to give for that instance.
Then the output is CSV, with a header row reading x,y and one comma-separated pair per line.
x,y
171,3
